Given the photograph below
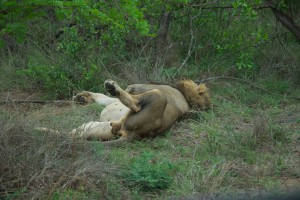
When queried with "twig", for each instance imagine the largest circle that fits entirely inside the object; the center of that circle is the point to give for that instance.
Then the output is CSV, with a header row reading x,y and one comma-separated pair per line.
x,y
191,46
231,7
203,4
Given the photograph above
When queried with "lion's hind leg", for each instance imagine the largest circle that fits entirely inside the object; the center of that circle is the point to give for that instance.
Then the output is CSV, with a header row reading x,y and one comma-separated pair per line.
x,y
147,109
130,101
149,120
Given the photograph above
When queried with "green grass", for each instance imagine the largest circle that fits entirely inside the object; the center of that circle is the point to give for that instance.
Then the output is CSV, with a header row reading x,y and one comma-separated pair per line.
x,y
247,141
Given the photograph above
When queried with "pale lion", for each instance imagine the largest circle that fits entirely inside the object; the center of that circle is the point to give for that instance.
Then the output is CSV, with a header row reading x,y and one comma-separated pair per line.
x,y
142,110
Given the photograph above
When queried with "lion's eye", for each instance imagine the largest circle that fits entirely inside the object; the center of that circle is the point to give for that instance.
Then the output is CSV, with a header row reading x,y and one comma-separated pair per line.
x,y
81,99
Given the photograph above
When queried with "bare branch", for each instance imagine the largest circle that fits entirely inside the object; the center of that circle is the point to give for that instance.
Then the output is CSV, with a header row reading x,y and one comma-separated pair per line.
x,y
203,4
231,7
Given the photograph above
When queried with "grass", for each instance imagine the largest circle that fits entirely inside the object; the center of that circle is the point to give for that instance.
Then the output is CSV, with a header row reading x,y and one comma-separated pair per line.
x,y
249,140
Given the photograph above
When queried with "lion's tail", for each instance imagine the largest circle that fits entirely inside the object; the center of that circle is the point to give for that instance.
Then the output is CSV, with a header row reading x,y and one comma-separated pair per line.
x,y
49,130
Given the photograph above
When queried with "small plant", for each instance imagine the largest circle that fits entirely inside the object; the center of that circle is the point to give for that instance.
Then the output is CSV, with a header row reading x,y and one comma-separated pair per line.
x,y
213,141
279,133
280,166
148,172
16,194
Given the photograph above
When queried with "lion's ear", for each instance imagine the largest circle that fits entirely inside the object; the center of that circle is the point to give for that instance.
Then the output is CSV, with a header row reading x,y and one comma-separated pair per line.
x,y
201,89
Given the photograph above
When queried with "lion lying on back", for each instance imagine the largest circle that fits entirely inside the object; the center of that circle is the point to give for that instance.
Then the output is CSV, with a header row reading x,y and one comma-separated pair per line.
x,y
142,110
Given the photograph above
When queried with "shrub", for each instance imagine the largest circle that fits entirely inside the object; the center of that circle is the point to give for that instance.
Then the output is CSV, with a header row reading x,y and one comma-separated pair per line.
x,y
148,172
60,81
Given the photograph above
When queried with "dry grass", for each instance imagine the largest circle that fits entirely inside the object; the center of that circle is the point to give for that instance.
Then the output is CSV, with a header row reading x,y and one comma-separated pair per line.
x,y
37,165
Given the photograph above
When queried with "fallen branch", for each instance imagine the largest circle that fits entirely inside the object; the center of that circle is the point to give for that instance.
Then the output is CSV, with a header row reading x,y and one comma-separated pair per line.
x,y
241,81
36,101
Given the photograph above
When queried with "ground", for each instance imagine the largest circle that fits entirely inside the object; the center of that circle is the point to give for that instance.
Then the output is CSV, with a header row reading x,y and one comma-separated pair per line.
x,y
248,141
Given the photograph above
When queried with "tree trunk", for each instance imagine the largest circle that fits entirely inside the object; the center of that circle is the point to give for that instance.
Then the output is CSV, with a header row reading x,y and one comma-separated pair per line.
x,y
160,49
285,20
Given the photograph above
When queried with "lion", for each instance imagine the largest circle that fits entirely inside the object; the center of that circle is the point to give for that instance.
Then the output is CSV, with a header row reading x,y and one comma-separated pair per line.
x,y
141,110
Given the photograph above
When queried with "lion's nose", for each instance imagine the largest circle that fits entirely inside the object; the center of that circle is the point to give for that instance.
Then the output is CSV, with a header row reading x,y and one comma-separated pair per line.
x,y
81,99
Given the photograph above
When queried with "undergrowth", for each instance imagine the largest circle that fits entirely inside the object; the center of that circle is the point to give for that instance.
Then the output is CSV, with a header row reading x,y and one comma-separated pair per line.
x,y
248,140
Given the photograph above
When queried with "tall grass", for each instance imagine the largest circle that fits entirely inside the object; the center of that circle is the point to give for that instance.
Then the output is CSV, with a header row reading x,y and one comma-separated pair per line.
x,y
248,140
37,165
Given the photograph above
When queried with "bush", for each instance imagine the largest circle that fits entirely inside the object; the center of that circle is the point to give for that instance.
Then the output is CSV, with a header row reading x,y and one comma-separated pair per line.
x,y
148,173
60,81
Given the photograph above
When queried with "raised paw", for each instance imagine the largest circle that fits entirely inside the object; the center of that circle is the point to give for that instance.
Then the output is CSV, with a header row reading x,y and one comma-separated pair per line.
x,y
111,87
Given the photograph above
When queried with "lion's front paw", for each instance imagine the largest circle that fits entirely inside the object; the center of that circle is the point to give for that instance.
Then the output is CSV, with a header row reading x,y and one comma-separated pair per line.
x,y
111,87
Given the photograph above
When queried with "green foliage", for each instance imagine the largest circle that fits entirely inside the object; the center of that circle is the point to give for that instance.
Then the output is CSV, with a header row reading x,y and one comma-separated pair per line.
x,y
71,43
242,34
148,173
86,35
16,194
81,39
50,78
59,81
229,34
120,18
69,194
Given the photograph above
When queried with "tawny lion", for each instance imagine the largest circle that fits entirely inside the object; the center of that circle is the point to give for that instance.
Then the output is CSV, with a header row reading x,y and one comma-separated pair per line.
x,y
142,110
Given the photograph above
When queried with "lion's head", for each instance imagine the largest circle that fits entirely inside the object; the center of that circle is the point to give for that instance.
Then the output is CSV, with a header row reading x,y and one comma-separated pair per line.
x,y
83,98
196,95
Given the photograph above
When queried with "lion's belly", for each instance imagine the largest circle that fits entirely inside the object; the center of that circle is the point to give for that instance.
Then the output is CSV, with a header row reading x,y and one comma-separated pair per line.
x,y
113,112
